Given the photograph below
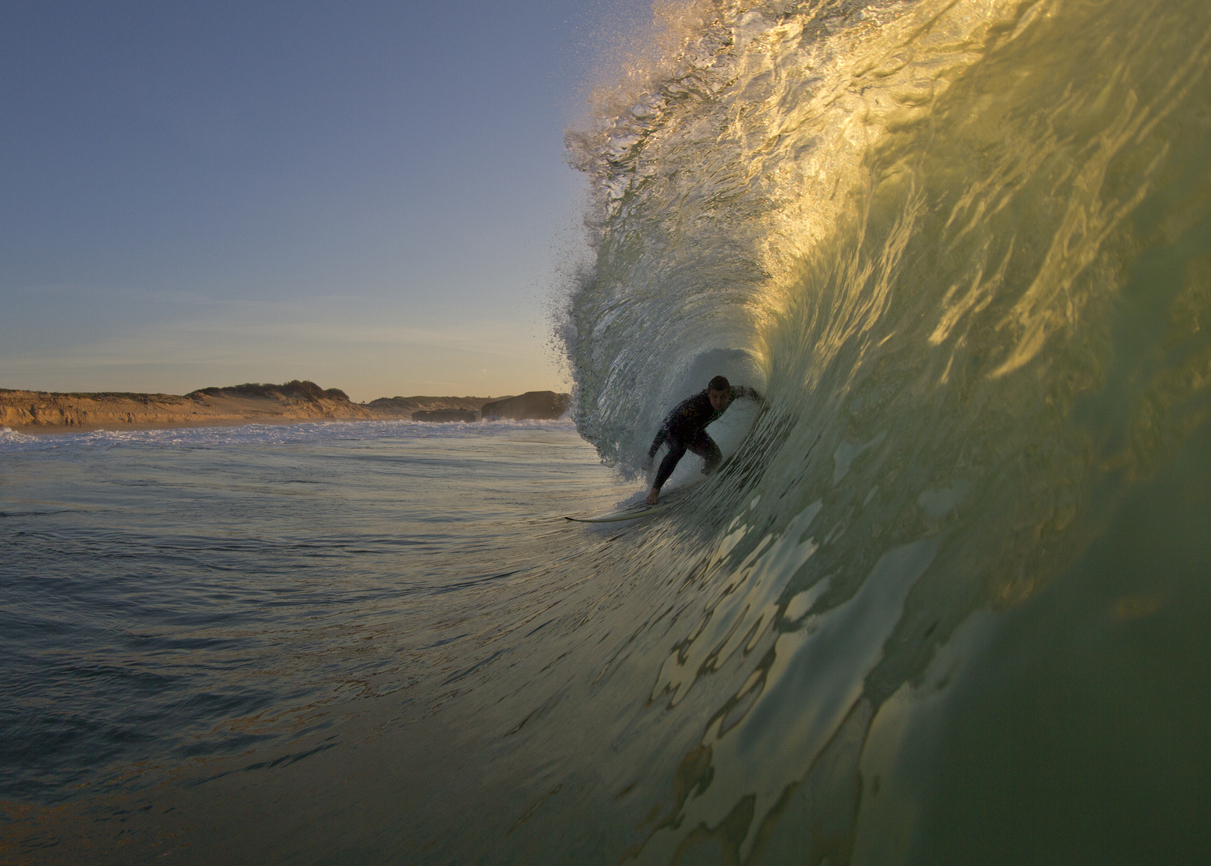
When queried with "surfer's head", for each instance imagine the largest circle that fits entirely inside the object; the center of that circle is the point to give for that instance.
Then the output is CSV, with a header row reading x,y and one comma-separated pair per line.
x,y
719,391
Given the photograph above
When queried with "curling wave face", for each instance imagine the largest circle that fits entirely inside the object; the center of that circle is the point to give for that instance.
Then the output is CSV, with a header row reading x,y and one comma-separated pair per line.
x,y
965,249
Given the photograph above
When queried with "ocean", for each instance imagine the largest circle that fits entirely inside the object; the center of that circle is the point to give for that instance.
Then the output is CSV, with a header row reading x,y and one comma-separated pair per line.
x,y
945,602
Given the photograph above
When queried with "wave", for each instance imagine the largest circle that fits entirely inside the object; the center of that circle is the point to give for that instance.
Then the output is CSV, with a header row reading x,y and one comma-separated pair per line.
x,y
300,432
963,248
945,603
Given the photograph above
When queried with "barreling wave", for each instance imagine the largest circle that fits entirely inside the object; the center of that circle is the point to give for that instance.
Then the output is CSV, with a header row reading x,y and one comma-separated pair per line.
x,y
964,246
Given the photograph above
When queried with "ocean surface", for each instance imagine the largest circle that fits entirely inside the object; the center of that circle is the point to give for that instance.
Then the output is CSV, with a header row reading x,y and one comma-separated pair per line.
x,y
946,602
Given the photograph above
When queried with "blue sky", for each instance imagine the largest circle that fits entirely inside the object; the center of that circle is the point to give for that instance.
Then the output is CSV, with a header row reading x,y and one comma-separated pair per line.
x,y
371,195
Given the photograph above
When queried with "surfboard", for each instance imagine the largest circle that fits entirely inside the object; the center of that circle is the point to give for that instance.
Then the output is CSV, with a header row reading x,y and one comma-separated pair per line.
x,y
625,514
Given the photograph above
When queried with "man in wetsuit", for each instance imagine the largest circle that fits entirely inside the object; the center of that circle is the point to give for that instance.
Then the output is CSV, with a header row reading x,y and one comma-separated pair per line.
x,y
685,429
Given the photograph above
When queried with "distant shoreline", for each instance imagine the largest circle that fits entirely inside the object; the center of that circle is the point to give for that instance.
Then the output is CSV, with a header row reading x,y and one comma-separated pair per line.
x,y
41,412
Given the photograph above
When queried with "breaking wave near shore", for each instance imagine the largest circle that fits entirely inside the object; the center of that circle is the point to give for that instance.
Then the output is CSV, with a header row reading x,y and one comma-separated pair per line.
x,y
945,600
965,250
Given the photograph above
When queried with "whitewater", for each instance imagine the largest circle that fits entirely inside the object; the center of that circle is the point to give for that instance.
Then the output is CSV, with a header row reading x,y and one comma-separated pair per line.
x,y
945,602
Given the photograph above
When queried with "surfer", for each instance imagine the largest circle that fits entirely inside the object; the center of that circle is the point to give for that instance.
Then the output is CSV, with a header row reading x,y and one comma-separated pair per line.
x,y
685,429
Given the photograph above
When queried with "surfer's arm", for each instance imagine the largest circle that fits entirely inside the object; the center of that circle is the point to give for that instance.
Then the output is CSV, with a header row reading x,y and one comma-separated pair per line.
x,y
661,436
677,417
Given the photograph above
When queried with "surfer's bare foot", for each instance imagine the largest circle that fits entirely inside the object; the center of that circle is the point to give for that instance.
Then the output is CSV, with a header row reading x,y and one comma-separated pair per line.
x,y
653,495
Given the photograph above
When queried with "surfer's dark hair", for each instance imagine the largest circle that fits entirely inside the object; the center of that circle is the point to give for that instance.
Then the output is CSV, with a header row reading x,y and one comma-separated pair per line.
x,y
720,383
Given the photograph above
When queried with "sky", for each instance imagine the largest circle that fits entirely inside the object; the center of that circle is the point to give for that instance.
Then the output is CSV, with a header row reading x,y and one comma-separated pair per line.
x,y
370,195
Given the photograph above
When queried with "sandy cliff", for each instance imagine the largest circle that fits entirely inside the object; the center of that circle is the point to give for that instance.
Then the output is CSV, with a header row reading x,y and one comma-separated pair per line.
x,y
47,412
34,411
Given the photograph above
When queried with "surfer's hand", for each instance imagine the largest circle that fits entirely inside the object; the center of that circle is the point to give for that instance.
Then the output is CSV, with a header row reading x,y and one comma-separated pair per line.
x,y
653,495
646,466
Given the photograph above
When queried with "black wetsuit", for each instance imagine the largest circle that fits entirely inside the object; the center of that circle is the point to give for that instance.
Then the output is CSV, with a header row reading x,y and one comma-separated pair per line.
x,y
685,429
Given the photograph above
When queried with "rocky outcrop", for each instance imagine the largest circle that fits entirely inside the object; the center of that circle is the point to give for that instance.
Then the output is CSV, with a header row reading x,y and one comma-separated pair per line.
x,y
446,415
404,407
530,406
293,390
